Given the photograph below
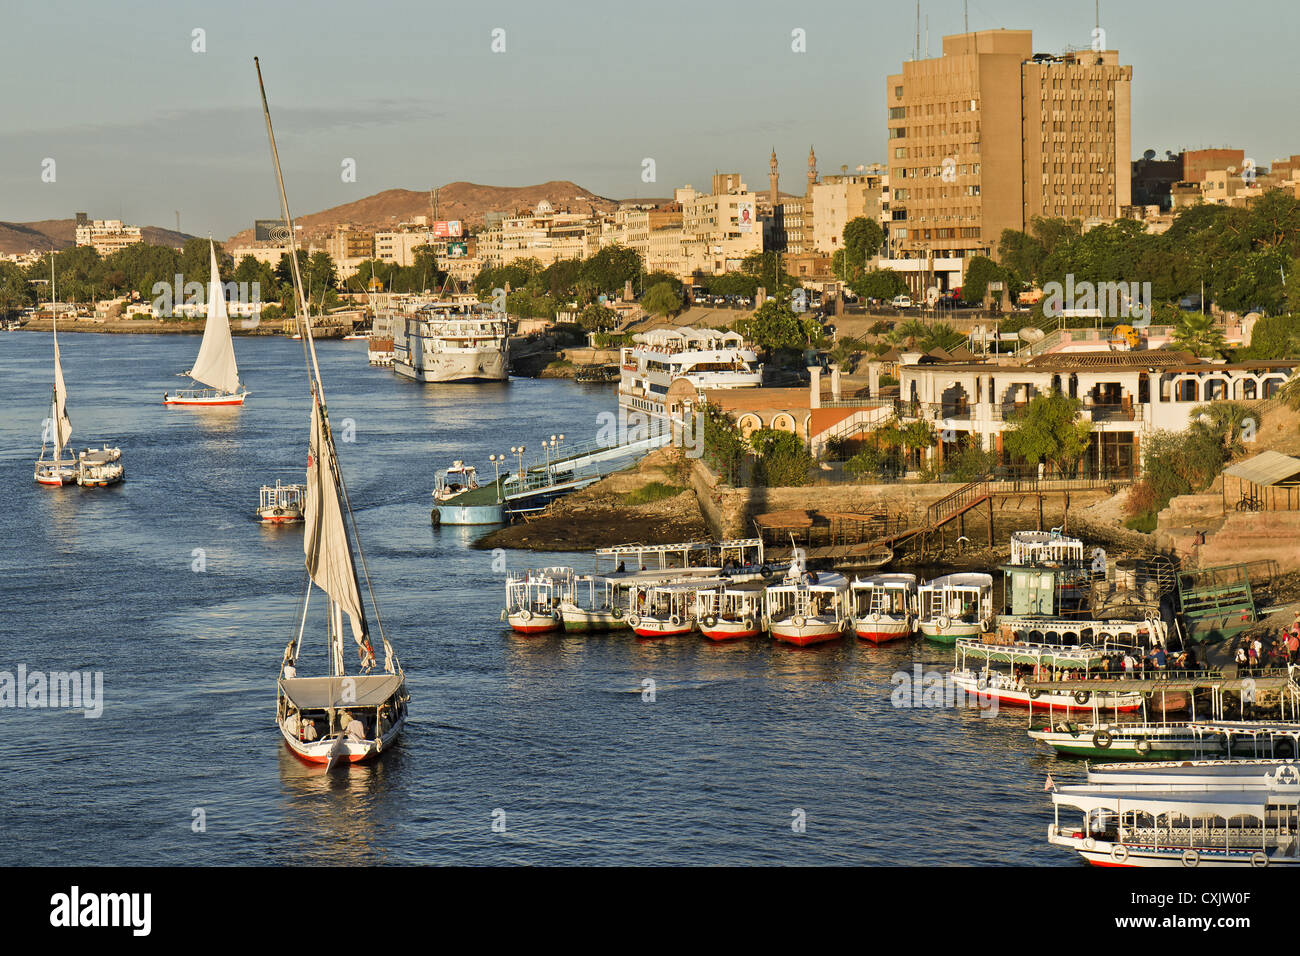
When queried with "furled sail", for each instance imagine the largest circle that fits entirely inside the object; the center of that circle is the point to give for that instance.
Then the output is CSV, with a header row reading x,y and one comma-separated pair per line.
x,y
215,366
325,541
62,424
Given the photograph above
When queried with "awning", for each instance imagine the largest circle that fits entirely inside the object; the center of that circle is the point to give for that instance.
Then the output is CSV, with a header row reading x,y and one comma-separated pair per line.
x,y
784,519
362,690
1266,468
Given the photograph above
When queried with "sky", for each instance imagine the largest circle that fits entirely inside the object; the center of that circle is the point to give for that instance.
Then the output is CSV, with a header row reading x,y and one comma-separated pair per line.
x,y
141,126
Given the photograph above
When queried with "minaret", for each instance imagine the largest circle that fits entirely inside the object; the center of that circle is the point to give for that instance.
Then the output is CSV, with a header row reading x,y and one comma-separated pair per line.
x,y
812,170
772,178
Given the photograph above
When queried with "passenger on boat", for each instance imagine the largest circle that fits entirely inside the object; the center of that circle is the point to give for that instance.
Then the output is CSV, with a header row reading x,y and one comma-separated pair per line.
x,y
290,672
620,569
384,723
308,731
292,723
353,727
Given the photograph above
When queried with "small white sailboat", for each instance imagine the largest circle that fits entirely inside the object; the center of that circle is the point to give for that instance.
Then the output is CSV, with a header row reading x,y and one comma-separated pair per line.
x,y
94,467
335,718
215,366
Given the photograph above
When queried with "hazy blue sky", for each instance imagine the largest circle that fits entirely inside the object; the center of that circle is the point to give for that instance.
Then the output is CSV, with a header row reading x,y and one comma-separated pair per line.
x,y
140,126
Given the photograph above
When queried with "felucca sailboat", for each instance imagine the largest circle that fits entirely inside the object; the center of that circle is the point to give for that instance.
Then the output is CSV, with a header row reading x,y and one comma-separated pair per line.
x,y
337,717
94,467
215,366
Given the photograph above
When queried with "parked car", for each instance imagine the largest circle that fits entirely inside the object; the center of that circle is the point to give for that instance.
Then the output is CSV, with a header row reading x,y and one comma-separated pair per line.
x,y
902,302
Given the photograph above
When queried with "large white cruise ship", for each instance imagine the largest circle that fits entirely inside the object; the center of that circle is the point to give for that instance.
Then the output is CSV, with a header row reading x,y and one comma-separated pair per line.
x,y
706,358
457,340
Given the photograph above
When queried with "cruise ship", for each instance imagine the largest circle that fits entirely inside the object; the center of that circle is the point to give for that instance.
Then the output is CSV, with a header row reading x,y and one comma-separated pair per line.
x,y
706,358
448,340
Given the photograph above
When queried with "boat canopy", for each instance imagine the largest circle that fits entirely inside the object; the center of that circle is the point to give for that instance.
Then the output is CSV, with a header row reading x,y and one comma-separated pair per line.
x,y
320,693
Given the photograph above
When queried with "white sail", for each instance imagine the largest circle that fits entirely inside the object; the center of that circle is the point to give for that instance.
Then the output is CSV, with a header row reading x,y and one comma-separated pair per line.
x,y
325,542
215,366
62,424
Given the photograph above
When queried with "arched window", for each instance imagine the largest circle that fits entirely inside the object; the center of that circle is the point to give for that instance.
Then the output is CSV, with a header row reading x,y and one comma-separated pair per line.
x,y
749,423
783,422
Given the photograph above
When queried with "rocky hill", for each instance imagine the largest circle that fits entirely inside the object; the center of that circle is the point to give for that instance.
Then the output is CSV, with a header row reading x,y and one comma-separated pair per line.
x,y
20,237
467,202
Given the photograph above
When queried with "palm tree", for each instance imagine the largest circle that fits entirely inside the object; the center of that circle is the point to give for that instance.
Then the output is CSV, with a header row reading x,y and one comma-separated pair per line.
x,y
1289,394
1198,333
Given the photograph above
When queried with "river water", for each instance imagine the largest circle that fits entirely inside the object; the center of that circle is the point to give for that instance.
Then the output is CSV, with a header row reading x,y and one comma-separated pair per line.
x,y
168,586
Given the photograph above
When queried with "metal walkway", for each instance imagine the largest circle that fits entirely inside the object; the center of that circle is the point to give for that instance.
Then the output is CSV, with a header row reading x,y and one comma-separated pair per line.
x,y
584,464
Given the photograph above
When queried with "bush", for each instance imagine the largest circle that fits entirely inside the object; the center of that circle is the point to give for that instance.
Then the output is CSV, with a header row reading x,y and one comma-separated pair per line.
x,y
654,491
783,461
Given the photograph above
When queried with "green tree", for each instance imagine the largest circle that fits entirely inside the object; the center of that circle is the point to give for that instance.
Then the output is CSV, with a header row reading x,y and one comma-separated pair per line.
x,y
610,268
980,271
662,300
1047,431
1274,337
862,240
881,284
1198,333
775,326
782,460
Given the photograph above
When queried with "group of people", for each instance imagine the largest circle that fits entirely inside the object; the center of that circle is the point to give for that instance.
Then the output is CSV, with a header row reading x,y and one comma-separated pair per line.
x,y
1254,653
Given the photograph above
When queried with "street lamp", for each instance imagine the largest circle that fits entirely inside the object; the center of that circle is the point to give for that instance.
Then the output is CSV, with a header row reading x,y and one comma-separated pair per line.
x,y
497,461
520,452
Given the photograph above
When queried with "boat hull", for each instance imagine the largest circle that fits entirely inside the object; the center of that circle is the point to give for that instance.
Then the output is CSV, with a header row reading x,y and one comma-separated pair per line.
x,y
533,624
949,634
810,632
1108,853
322,752
582,621
470,514
1020,698
652,627
485,366
729,630
279,519
882,631
206,402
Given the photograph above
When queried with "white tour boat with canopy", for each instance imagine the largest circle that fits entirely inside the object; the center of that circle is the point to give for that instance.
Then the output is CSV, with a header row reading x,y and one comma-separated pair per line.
x,y
215,366
280,503
666,609
808,607
1006,672
731,611
335,718
884,607
955,605
533,599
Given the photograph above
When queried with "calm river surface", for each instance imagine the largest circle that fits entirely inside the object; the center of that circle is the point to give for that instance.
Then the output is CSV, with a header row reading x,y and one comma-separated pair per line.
x,y
551,730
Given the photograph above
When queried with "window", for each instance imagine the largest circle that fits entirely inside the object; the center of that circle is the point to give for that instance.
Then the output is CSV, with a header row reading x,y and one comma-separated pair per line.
x,y
898,112
898,92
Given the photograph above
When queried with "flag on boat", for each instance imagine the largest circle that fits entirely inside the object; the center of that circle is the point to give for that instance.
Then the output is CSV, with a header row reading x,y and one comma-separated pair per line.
x,y
1049,784
325,540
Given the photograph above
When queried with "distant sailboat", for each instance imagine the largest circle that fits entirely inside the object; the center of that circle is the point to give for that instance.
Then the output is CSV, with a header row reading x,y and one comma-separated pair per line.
x,y
94,467
215,366
336,718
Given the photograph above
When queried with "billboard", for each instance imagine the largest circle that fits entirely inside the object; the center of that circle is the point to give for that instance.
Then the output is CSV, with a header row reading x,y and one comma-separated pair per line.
x,y
448,229
270,230
457,250
745,215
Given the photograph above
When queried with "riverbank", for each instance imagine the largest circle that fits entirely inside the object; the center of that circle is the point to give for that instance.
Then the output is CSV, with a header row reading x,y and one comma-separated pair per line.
x,y
148,327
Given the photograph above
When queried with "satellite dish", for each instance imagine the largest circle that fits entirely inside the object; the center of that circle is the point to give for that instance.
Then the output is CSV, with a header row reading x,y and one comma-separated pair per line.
x,y
1149,154
1031,334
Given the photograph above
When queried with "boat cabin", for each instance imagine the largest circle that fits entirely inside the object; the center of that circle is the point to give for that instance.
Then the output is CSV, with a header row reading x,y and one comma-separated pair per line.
x,y
1216,603
321,708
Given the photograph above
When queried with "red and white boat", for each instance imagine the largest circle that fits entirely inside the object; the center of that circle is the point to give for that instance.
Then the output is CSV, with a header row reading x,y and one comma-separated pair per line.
x,y
731,611
215,366
666,609
533,600
281,504
337,718
1003,672
884,607
808,607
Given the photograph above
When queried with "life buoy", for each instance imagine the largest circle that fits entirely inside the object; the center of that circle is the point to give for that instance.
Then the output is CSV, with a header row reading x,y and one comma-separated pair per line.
x,y
1191,857
710,620
845,624
617,613
675,621
943,623
1258,859
525,615
1119,853
1035,693
798,620
1101,739
1082,696
875,617
1284,747
634,620
765,571
748,623
1089,843
1142,747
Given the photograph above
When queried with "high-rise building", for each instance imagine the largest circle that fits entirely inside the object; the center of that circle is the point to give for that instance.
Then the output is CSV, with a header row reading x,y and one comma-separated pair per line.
x,y
989,135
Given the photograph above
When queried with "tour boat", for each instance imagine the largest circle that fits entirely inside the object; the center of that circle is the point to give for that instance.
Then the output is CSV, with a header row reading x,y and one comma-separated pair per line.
x,y
533,600
884,607
457,340
1006,673
280,504
730,611
215,365
955,605
1253,823
1170,740
93,467
1193,773
597,603
666,609
808,607
335,718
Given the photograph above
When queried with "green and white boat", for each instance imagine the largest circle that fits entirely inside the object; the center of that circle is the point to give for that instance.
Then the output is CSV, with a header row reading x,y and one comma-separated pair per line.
x,y
955,605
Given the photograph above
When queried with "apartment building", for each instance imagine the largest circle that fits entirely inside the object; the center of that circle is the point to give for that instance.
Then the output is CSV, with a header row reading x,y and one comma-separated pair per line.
x,y
838,199
720,228
544,233
107,236
988,135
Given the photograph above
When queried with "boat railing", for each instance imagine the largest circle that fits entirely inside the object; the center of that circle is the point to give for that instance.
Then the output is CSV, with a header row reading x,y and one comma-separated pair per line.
x,y
1227,837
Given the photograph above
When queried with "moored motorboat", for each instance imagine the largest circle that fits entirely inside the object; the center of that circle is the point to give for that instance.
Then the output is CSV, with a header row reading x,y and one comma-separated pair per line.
x,y
884,607
666,609
100,467
955,605
1006,673
280,503
808,607
731,611
533,599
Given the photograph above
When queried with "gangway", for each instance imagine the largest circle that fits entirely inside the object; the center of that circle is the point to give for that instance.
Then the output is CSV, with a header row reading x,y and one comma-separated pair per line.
x,y
585,463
